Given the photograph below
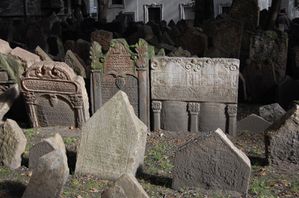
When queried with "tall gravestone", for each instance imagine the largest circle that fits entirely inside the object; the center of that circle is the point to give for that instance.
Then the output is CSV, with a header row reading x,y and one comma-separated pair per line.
x,y
113,141
192,94
121,69
54,95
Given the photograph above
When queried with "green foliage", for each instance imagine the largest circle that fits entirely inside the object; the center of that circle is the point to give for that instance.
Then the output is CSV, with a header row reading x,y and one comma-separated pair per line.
x,y
260,188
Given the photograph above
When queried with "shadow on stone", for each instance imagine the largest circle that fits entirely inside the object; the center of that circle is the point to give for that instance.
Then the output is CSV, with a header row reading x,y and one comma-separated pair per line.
x,y
11,189
258,161
71,160
154,179
25,161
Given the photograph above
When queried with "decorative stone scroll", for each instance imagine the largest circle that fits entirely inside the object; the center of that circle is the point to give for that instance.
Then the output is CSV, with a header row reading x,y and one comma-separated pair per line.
x,y
54,95
121,69
201,93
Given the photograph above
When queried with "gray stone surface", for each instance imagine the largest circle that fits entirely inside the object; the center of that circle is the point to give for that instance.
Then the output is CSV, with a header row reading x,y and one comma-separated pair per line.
x,y
272,112
44,147
282,145
48,177
25,57
113,140
126,186
103,38
253,123
212,162
12,144
4,47
212,116
7,99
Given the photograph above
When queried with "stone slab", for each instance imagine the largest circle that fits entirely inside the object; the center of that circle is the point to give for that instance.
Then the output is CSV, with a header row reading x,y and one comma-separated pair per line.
x,y
253,123
272,112
113,140
27,58
4,47
7,99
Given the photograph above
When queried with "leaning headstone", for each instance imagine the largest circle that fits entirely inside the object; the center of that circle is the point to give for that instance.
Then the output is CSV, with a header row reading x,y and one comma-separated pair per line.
x,y
253,123
44,147
4,47
12,144
281,139
7,99
113,140
212,162
126,186
49,177
54,95
73,62
272,112
42,54
103,37
26,58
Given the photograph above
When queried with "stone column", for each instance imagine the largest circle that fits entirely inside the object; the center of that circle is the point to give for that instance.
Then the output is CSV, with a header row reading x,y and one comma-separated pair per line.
x,y
156,107
232,116
30,99
95,90
143,98
193,109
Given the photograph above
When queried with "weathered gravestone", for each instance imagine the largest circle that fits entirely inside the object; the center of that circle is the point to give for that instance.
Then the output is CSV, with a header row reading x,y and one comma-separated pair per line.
x,y
54,95
212,162
121,69
271,112
49,176
253,123
12,144
113,140
200,91
7,98
71,59
103,37
4,47
282,140
44,147
126,186
26,58
42,54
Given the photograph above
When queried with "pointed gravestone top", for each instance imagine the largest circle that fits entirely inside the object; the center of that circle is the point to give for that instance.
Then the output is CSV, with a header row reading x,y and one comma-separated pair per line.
x,y
113,140
253,123
212,162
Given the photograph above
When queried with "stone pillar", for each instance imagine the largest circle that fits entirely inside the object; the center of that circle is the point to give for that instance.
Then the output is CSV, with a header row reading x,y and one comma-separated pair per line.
x,y
143,96
232,119
193,109
156,107
95,90
30,99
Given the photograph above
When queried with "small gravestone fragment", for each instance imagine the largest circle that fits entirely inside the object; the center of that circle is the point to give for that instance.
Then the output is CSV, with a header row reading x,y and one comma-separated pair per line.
x,y
49,177
4,47
282,142
42,54
126,186
7,99
212,162
71,60
272,112
45,146
12,144
253,123
103,37
27,58
113,140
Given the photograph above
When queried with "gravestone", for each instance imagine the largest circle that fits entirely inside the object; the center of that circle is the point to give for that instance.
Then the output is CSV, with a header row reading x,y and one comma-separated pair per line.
x,y
7,98
4,47
42,54
202,91
127,186
54,95
281,140
71,60
49,177
253,123
211,162
113,141
26,58
121,69
103,37
44,147
12,144
271,112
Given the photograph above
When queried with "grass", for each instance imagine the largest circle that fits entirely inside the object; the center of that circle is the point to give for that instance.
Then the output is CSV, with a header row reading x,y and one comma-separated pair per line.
x,y
70,140
260,187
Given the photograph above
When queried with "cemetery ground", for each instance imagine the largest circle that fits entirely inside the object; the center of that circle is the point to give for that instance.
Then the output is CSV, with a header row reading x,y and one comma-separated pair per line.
x,y
266,181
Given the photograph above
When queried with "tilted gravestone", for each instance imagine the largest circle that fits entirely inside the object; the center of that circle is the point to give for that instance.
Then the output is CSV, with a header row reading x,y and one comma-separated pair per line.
x,y
49,177
253,123
281,140
44,147
113,141
194,93
7,99
103,37
12,144
71,60
212,162
121,69
54,95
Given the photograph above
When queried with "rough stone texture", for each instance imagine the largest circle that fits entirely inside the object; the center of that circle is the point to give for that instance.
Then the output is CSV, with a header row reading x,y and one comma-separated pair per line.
x,y
271,112
73,62
27,58
54,95
113,140
13,68
103,38
12,144
281,139
44,147
212,116
7,99
126,186
266,67
211,162
49,176
253,123
4,47
42,54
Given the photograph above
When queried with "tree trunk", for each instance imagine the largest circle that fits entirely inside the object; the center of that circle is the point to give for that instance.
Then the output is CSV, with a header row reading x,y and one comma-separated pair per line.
x,y
274,11
102,10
